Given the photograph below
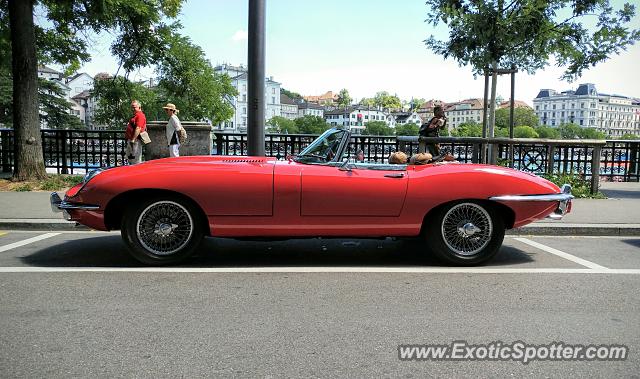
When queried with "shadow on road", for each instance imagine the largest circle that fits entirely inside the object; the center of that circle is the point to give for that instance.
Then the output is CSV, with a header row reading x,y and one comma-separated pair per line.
x,y
621,194
110,251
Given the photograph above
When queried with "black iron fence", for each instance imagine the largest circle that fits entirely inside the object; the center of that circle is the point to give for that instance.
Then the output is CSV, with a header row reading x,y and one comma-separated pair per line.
x,y
75,151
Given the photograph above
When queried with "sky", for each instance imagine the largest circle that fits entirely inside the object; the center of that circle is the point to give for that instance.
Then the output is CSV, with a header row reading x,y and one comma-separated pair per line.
x,y
364,46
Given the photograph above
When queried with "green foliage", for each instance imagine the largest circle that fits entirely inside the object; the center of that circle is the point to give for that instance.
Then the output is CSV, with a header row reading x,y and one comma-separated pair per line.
x,y
573,131
524,131
279,124
415,104
188,81
344,100
547,132
26,187
114,102
409,129
54,108
377,128
58,182
292,95
311,124
580,187
368,102
521,116
629,136
470,129
527,34
382,99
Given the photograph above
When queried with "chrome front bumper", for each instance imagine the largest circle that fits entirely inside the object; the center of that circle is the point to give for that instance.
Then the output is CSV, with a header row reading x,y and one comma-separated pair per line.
x,y
59,205
563,198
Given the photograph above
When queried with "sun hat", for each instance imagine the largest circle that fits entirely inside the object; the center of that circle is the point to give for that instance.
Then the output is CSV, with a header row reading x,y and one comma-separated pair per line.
x,y
171,106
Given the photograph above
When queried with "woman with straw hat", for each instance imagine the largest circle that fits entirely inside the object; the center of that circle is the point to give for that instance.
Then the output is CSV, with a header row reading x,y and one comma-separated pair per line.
x,y
173,127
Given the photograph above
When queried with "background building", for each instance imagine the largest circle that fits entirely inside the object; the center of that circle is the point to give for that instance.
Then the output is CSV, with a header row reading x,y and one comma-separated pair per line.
x,y
614,115
238,122
288,107
354,118
465,111
310,109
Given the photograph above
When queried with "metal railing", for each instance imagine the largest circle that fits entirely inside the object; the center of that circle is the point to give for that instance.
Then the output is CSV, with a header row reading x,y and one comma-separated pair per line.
x,y
68,151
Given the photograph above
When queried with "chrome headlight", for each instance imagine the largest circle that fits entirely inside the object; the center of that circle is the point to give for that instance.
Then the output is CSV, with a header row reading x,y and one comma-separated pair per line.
x,y
90,175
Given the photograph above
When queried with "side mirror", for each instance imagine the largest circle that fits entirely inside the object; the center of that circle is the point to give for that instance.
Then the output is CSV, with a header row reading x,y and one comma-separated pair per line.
x,y
345,166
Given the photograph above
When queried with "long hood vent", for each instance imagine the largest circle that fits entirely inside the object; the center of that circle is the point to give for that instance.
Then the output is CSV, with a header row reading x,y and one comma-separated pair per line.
x,y
244,160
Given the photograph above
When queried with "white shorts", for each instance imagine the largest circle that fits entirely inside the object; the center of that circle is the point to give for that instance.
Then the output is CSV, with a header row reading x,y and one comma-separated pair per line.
x,y
174,150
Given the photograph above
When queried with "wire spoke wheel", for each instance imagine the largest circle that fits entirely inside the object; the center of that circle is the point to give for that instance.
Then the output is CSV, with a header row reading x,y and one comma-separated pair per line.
x,y
466,229
164,227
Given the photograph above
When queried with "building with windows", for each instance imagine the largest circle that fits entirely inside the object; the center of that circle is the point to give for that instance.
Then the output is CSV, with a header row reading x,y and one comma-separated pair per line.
x,y
238,75
465,111
613,115
310,109
288,107
403,118
354,118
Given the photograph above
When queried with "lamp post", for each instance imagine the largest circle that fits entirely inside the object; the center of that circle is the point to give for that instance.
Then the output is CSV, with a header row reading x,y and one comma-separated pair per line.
x,y
256,78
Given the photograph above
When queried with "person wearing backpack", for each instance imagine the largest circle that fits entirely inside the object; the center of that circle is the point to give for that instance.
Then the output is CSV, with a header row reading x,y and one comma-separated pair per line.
x,y
432,128
173,130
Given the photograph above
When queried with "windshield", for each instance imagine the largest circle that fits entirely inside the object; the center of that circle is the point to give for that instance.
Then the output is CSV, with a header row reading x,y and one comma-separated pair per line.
x,y
324,148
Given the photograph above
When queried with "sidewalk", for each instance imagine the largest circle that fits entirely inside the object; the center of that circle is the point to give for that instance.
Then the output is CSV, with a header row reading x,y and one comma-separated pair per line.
x,y
619,215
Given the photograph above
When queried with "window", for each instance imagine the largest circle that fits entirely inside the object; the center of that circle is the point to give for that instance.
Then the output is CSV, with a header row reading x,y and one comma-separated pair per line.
x,y
244,98
273,91
553,107
244,88
244,110
581,122
537,107
581,105
273,100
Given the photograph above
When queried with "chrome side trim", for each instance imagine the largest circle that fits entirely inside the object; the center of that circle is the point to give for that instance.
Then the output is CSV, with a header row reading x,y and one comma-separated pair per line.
x,y
58,205
551,197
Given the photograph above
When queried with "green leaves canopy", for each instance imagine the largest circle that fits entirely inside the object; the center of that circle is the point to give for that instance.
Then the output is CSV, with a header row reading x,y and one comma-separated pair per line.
x,y
526,34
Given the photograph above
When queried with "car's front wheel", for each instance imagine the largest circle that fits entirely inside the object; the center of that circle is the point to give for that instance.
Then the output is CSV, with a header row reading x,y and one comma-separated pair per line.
x,y
465,233
161,231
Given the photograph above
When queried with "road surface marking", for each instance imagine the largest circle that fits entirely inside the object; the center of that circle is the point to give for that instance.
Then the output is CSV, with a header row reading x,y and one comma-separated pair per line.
x,y
27,241
562,254
3,234
366,270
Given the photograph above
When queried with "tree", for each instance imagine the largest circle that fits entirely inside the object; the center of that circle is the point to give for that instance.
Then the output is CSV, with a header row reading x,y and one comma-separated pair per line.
x,y
344,100
311,124
292,95
188,81
591,133
377,128
415,104
524,131
547,132
139,31
409,129
114,97
384,100
279,124
569,131
527,34
470,129
629,136
521,116
368,102
54,108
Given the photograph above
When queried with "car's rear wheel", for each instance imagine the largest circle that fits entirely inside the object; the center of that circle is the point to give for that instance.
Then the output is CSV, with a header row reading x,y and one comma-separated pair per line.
x,y
161,231
465,233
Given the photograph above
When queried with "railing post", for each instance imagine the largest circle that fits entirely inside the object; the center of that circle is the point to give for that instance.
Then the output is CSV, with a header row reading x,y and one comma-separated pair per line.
x,y
550,158
63,151
6,151
595,168
475,157
422,145
219,143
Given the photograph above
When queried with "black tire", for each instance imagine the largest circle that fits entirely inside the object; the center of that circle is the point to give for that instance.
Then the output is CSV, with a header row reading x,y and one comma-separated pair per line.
x,y
465,233
161,231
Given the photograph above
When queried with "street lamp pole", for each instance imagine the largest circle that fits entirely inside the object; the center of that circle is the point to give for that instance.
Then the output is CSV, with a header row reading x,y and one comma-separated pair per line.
x,y
256,78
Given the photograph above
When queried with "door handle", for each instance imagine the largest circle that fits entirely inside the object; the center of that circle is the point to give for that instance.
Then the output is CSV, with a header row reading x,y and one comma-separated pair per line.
x,y
400,175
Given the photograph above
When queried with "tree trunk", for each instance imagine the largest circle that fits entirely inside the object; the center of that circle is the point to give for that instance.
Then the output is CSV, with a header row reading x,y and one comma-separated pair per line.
x,y
29,162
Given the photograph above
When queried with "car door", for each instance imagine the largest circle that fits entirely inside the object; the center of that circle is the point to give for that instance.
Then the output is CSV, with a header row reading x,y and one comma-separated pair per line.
x,y
360,190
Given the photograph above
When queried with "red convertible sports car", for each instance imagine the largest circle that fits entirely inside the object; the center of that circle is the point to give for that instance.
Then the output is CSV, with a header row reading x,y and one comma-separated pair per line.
x,y
165,207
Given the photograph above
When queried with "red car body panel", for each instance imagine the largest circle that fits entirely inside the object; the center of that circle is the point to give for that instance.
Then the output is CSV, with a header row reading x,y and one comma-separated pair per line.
x,y
262,197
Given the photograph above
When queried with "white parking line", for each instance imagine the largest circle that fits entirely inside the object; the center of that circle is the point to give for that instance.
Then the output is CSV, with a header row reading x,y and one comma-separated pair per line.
x,y
364,270
27,241
562,254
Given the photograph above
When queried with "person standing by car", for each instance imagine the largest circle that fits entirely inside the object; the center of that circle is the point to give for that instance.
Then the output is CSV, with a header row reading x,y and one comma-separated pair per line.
x,y
172,129
137,124
432,128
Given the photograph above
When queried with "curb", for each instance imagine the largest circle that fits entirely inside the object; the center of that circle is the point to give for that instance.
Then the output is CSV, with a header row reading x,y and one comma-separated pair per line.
x,y
536,229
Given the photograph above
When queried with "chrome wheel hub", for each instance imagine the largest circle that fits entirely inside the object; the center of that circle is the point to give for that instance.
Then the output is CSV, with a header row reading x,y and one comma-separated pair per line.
x,y
467,229
164,227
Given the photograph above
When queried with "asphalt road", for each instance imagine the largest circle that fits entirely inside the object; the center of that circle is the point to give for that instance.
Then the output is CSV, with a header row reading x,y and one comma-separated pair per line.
x,y
76,305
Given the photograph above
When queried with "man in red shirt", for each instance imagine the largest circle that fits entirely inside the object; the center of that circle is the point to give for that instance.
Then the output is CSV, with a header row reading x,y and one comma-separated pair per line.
x,y
136,125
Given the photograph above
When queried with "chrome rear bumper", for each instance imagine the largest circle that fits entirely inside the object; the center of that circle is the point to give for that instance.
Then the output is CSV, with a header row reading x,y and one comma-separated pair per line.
x,y
563,198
